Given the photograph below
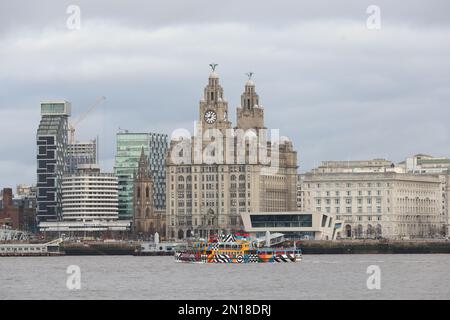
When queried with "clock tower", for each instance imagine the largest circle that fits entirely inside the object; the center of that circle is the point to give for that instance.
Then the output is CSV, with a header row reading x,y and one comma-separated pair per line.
x,y
213,106
250,115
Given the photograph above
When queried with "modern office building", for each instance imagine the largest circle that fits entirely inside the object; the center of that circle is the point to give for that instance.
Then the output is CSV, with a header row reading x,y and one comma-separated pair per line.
x,y
293,225
374,203
129,147
89,195
51,140
215,182
89,206
81,153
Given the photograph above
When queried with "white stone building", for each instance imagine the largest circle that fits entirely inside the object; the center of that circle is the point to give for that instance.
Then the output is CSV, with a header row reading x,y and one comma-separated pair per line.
x,y
377,203
438,166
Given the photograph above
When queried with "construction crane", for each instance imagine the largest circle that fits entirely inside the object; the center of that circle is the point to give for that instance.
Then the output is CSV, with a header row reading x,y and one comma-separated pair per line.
x,y
73,125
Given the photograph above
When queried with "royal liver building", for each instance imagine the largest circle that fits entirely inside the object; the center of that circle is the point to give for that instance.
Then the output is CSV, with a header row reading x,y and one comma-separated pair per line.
x,y
221,171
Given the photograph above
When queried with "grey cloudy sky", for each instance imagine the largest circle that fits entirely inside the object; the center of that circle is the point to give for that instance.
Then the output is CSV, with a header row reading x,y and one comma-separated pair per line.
x,y
336,88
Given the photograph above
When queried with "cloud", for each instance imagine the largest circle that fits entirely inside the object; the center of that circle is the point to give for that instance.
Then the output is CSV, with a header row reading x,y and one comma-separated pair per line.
x,y
335,88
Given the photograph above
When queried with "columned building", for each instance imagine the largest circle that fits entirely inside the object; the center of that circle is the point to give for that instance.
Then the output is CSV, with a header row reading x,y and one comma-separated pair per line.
x,y
438,166
221,172
51,140
375,203
147,219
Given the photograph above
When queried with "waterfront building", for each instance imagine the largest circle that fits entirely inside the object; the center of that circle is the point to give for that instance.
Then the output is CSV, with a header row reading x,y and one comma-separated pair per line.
x,y
147,219
115,229
89,206
17,213
300,193
439,166
81,153
296,225
376,203
51,140
426,164
89,195
204,196
129,146
358,166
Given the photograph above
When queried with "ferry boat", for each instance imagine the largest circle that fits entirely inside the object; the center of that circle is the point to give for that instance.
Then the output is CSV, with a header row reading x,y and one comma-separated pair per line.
x,y
51,248
234,249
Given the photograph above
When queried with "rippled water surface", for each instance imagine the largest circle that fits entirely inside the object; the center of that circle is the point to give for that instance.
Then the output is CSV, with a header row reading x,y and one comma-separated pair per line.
x,y
316,277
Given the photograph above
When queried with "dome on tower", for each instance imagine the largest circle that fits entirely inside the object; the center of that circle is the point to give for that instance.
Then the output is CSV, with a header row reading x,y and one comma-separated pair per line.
x,y
214,75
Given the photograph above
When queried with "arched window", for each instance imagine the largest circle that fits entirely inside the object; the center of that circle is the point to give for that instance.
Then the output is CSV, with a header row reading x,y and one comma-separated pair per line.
x,y
139,192
147,192
180,179
147,213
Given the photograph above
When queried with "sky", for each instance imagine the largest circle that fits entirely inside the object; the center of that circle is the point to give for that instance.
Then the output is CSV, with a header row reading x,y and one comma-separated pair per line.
x,y
340,90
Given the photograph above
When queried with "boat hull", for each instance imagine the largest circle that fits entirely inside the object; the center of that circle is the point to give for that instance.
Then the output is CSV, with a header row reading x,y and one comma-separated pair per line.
x,y
276,257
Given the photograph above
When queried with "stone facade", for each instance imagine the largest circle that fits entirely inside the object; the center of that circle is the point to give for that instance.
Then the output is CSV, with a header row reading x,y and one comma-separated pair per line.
x,y
377,204
205,196
147,219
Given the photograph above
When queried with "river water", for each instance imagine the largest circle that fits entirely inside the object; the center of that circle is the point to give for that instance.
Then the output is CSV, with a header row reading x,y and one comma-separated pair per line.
x,y
316,277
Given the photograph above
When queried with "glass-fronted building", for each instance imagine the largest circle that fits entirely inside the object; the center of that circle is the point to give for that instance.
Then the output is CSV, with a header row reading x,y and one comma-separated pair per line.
x,y
293,225
51,140
129,146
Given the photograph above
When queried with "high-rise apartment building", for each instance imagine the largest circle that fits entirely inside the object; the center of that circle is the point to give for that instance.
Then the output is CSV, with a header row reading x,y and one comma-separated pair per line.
x,y
51,140
81,153
211,182
129,147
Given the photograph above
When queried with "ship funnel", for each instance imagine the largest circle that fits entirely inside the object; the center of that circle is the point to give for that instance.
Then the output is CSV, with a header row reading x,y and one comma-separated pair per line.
x,y
267,238
156,237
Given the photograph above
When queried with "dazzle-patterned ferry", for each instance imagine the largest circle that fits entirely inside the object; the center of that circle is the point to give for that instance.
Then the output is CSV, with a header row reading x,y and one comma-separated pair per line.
x,y
234,249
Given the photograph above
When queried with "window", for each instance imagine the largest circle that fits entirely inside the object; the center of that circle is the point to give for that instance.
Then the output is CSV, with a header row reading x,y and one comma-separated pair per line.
x,y
281,220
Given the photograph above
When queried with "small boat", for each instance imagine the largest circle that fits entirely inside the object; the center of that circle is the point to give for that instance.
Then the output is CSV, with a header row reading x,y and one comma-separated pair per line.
x,y
155,249
229,249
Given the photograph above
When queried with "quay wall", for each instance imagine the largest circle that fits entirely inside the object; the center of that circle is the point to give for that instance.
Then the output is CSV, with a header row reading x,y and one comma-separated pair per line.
x,y
98,249
308,247
374,247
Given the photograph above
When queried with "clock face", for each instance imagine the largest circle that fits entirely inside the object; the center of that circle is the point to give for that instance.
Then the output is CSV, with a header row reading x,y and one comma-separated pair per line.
x,y
210,116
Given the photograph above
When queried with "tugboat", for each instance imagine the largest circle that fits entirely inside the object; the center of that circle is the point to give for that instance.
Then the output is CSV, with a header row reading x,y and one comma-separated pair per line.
x,y
234,249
